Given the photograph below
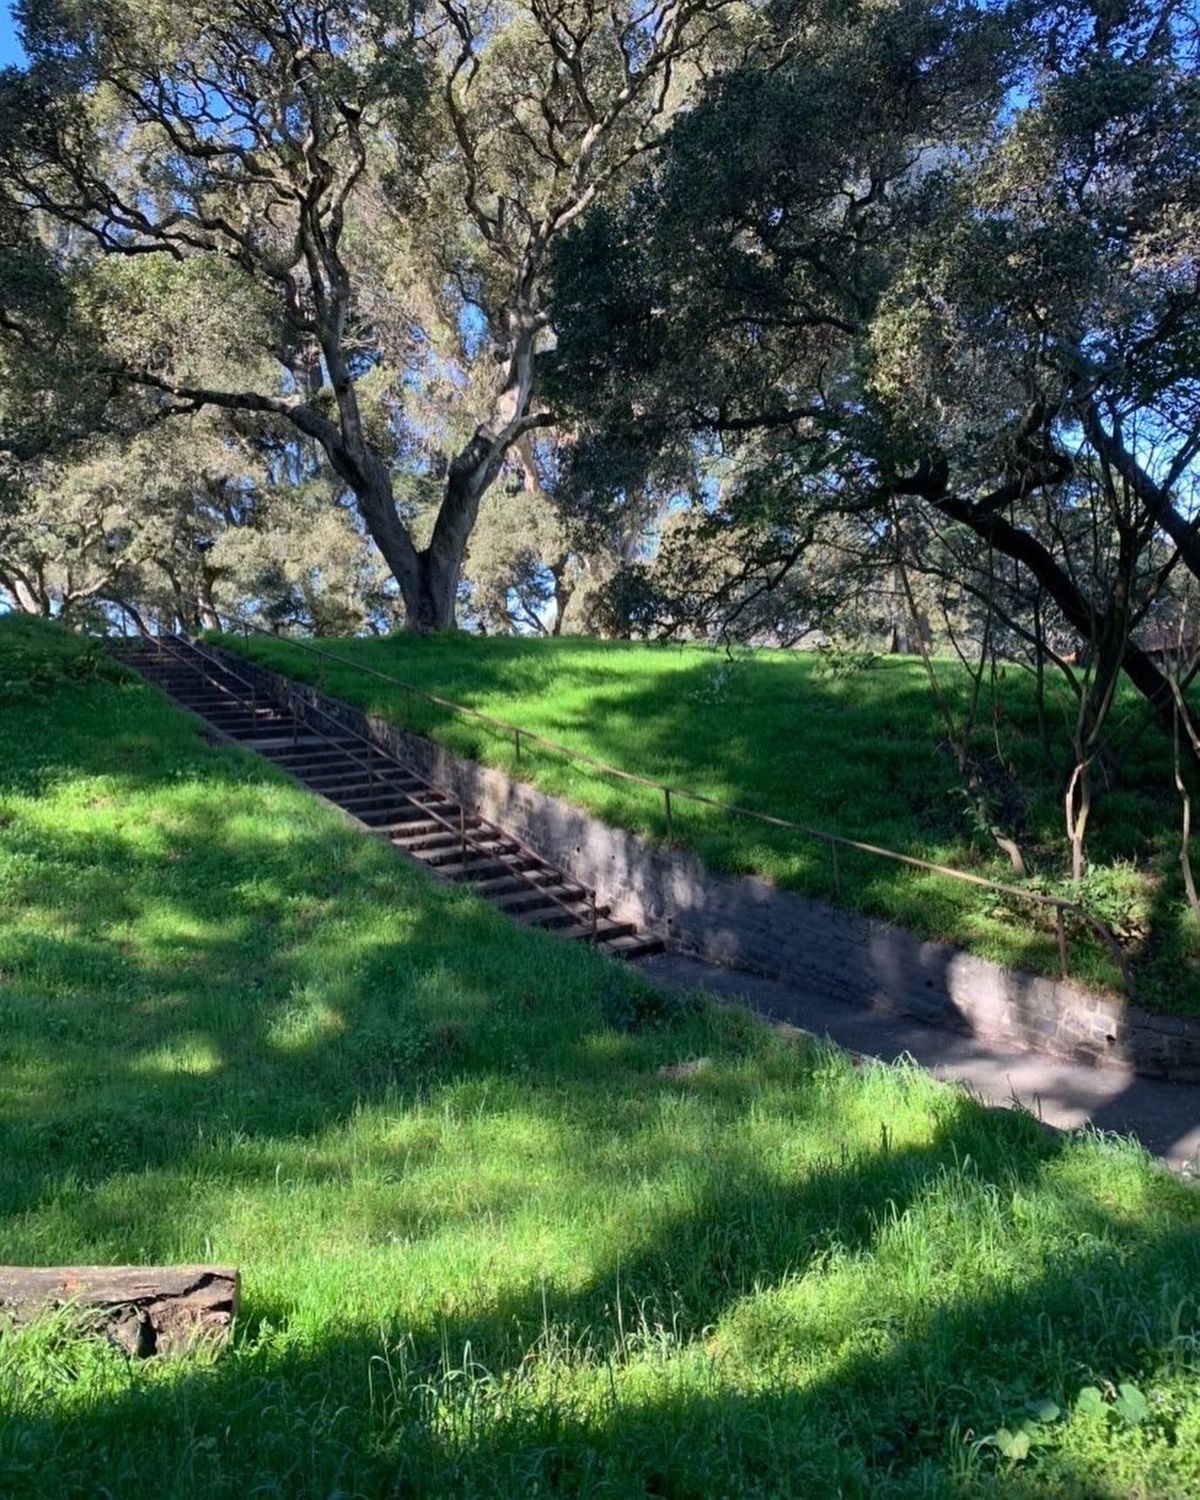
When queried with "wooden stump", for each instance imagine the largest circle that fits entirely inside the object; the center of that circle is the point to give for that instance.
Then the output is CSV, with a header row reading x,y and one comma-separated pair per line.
x,y
147,1310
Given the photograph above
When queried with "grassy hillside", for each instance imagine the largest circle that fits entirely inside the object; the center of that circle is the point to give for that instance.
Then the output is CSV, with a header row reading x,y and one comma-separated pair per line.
x,y
861,754
488,1247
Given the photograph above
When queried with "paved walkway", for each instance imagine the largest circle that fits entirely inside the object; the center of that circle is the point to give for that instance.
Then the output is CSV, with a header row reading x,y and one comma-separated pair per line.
x,y
1165,1117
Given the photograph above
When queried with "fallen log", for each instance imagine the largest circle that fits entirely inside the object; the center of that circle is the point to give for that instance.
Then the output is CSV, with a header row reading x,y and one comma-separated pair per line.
x,y
147,1310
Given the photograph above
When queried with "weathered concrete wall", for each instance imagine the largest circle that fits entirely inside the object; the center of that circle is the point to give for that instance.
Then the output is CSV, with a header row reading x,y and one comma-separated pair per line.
x,y
749,924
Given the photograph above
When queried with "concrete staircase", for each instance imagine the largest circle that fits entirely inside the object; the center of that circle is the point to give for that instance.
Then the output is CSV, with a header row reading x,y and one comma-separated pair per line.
x,y
385,796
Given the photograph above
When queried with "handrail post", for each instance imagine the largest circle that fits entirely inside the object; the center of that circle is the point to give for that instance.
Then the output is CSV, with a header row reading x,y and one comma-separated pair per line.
x,y
517,744
1060,930
592,900
462,830
295,723
670,820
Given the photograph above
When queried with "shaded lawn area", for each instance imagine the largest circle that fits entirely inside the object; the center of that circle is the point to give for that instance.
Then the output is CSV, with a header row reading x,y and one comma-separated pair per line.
x,y
487,1247
861,755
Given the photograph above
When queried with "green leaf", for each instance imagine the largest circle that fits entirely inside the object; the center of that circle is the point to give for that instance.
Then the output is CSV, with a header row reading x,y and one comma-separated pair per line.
x,y
1044,1411
1131,1405
1013,1445
1090,1403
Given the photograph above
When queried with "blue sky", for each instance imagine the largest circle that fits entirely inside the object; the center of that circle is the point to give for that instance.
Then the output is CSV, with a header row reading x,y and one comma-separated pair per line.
x,y
10,51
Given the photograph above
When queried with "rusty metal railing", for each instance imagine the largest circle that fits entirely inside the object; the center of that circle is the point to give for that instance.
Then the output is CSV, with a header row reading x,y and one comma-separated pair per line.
x,y
1061,906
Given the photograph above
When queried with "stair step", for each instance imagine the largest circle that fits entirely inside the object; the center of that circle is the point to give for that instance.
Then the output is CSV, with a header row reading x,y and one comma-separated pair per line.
x,y
230,708
217,708
444,846
237,715
364,796
387,800
486,867
372,796
310,747
234,707
450,852
373,770
436,840
606,930
633,946
337,786
244,728
505,885
301,752
217,720
413,814
426,804
313,760
549,915
379,812
205,710
300,772
245,723
528,898
387,819
413,833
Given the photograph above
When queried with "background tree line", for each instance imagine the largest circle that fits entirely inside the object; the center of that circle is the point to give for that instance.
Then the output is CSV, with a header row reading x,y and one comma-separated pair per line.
x,y
705,319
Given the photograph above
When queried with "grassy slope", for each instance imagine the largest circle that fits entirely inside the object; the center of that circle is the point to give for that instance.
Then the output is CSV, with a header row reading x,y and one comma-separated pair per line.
x,y
487,1247
860,755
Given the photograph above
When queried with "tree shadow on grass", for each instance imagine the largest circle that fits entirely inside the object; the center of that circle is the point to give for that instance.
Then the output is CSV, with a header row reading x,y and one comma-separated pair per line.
x,y
662,1342
698,1364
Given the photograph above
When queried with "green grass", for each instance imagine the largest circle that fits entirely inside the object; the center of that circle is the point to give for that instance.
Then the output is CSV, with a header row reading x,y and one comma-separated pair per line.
x,y
862,755
487,1247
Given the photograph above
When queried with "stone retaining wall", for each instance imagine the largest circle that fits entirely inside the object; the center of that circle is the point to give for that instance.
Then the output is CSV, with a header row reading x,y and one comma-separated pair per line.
x,y
749,924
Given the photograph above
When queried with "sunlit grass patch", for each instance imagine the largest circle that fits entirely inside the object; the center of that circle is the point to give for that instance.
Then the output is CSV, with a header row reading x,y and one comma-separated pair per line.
x,y
510,1222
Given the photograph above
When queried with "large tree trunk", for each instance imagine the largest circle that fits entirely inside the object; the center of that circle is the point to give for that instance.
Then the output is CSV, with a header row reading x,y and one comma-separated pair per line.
x,y
430,588
470,475
432,606
428,579
206,608
377,507
563,591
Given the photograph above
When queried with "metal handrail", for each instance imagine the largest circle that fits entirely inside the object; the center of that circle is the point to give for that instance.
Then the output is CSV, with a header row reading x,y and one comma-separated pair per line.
x,y
1061,905
468,837
158,640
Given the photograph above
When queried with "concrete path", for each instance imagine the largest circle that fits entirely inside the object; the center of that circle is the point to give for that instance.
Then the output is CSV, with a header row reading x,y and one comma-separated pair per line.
x,y
1165,1117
